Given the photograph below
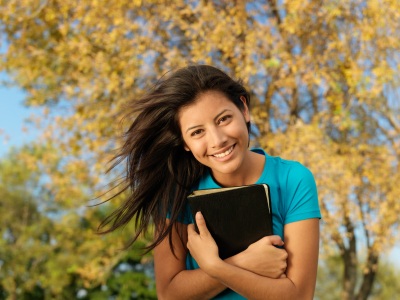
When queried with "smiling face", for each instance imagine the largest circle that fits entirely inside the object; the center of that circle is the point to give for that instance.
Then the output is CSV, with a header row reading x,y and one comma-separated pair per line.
x,y
214,130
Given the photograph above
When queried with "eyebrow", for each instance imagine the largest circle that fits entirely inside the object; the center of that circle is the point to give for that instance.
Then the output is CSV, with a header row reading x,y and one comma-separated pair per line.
x,y
215,118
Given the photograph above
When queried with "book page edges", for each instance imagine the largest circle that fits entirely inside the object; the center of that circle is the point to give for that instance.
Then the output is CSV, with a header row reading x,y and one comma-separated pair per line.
x,y
218,190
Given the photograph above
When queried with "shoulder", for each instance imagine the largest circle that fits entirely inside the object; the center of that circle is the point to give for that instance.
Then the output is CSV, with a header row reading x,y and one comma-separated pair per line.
x,y
293,173
294,185
284,169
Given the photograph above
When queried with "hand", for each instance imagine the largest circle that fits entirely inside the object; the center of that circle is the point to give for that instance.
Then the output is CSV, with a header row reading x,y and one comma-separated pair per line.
x,y
202,245
263,258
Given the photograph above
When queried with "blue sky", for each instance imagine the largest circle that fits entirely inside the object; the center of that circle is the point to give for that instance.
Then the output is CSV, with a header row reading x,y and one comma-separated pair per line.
x,y
12,116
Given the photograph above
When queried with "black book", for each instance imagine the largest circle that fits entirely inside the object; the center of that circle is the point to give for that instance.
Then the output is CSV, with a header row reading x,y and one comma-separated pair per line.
x,y
236,216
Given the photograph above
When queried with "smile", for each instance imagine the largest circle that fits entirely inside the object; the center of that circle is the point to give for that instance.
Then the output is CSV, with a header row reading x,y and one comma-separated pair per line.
x,y
227,152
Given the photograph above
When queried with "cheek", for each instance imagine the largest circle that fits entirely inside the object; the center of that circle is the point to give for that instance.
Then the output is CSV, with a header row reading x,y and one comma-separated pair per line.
x,y
239,130
197,147
189,145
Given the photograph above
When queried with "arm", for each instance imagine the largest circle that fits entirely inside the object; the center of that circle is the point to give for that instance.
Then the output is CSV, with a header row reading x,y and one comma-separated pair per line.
x,y
173,281
301,241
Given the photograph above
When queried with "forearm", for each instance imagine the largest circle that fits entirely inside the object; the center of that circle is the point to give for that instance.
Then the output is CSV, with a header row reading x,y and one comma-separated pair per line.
x,y
195,284
191,284
253,286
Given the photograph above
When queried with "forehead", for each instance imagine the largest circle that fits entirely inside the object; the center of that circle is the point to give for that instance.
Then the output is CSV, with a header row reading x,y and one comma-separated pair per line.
x,y
206,104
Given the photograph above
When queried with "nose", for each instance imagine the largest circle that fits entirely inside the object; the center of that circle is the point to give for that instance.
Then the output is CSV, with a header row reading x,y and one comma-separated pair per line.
x,y
217,138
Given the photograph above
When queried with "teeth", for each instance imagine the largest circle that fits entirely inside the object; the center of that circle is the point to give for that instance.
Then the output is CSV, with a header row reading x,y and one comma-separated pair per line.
x,y
220,155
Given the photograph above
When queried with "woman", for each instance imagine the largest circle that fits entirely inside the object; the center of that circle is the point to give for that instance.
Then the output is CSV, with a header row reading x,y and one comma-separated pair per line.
x,y
192,132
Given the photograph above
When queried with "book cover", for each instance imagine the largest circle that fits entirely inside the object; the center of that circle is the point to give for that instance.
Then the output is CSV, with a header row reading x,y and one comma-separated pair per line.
x,y
236,216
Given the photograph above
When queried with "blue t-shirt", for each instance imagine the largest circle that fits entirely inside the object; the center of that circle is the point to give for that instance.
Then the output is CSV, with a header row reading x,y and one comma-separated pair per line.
x,y
293,196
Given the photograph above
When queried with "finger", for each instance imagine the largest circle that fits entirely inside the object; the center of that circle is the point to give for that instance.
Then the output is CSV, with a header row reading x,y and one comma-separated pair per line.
x,y
283,275
191,229
275,240
201,224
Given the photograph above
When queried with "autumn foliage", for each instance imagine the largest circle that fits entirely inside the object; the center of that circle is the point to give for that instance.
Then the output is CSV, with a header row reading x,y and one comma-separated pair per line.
x,y
324,85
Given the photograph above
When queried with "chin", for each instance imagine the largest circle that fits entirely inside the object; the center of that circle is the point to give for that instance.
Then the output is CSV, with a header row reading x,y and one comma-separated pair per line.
x,y
226,170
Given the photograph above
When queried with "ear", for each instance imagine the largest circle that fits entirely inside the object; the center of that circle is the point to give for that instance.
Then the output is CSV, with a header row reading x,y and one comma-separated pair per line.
x,y
245,110
186,147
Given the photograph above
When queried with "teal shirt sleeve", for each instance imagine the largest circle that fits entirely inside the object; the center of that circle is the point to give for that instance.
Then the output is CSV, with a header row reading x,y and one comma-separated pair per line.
x,y
185,216
302,195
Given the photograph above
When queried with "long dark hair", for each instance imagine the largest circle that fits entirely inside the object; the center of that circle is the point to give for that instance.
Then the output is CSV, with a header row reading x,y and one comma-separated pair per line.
x,y
159,172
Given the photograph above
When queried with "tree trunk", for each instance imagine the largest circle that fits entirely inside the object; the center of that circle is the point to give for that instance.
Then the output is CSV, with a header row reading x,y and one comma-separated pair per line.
x,y
369,276
350,264
350,274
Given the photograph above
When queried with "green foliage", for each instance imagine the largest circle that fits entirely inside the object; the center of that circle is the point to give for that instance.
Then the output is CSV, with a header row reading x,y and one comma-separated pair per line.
x,y
330,278
386,286
50,252
24,246
128,285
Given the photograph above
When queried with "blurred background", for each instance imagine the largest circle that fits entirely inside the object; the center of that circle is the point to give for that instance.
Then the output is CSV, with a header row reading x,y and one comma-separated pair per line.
x,y
324,83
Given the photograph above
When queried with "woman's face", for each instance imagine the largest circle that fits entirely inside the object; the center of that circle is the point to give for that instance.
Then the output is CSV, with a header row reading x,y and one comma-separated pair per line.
x,y
214,130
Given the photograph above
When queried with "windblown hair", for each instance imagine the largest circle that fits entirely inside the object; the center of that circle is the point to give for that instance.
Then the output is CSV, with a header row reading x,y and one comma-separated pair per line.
x,y
159,172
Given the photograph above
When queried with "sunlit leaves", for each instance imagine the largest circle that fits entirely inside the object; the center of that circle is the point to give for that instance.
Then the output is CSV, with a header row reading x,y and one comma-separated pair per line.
x,y
323,78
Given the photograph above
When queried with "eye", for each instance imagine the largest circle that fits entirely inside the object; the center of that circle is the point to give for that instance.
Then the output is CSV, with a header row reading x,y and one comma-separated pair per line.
x,y
196,132
224,119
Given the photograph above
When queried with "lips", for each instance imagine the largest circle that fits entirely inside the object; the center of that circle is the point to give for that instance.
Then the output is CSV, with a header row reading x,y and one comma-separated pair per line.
x,y
225,153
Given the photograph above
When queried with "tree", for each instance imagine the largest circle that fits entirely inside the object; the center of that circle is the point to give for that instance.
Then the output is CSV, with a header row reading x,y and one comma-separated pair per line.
x,y
330,272
322,75
21,224
48,251
386,285
357,189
